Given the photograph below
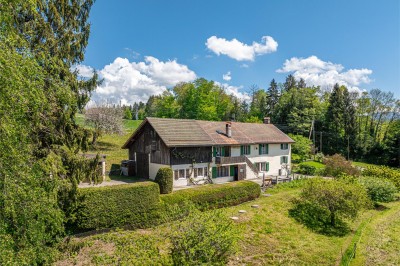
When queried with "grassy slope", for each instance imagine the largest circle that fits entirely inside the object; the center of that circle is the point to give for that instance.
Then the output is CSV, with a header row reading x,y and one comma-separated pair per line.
x,y
380,241
110,145
270,236
317,165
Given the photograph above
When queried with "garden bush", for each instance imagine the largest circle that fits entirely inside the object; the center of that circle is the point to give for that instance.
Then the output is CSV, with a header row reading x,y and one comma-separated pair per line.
x,y
215,196
165,179
378,189
336,165
135,205
324,204
306,169
391,174
207,238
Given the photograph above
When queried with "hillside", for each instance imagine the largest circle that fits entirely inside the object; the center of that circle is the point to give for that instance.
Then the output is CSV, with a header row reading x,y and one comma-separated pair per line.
x,y
268,236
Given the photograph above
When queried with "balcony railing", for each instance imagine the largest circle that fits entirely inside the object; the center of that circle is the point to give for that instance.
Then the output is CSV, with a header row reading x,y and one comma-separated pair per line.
x,y
230,160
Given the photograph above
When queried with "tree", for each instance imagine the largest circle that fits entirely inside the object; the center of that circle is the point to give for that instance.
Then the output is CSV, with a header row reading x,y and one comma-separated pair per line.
x,y
39,139
290,83
301,147
104,120
273,96
323,204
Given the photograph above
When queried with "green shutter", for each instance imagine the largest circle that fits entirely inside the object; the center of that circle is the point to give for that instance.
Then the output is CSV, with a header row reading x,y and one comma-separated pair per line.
x,y
214,172
241,150
222,151
249,149
281,158
267,148
259,149
281,146
214,152
267,166
232,170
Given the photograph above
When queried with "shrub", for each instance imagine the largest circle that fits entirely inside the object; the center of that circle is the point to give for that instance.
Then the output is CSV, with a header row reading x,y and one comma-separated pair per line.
x,y
391,174
319,157
301,149
323,204
379,190
306,169
207,238
337,164
216,196
165,180
135,205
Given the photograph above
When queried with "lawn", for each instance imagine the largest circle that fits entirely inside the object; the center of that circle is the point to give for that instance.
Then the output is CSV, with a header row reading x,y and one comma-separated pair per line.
x,y
269,236
363,165
110,145
317,165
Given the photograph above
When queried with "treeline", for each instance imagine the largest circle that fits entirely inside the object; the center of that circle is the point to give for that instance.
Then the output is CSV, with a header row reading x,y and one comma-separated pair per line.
x,y
362,126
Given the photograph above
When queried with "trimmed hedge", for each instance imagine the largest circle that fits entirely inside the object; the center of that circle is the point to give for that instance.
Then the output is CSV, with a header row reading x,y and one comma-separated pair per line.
x,y
134,205
165,180
215,196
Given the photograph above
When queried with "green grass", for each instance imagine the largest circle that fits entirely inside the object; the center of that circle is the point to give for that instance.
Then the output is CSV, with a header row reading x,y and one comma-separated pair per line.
x,y
363,165
269,237
317,165
110,144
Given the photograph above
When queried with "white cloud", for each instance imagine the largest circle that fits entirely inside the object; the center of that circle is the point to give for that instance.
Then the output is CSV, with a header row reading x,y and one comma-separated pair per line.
x,y
240,51
229,89
128,82
244,65
83,71
227,76
325,74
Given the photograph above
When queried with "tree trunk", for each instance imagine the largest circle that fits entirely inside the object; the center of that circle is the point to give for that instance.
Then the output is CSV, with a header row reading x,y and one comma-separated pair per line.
x,y
333,221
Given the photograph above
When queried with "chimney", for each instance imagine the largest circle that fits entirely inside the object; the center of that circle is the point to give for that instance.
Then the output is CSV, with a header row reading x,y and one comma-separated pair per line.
x,y
267,120
228,130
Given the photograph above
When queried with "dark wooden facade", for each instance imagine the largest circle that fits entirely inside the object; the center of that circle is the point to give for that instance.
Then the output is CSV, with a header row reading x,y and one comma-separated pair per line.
x,y
148,142
189,155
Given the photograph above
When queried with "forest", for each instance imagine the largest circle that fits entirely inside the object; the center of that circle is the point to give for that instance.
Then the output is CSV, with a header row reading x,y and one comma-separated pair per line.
x,y
359,125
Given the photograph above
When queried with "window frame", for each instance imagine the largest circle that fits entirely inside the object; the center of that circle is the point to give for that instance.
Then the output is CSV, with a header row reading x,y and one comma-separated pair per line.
x,y
245,151
222,173
284,159
284,146
264,148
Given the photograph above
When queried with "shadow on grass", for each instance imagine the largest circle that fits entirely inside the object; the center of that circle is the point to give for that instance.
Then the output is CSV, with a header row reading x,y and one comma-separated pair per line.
x,y
105,146
318,220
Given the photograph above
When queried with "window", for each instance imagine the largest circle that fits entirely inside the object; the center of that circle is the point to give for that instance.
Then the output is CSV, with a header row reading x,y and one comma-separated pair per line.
x,y
222,171
284,159
219,151
199,172
245,150
284,146
263,166
181,174
263,149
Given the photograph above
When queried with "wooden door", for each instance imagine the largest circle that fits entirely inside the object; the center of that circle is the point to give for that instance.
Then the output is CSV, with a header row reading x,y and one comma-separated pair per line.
x,y
142,165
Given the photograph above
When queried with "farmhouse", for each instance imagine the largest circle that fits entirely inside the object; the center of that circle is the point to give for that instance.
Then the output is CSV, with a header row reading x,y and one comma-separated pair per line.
x,y
225,151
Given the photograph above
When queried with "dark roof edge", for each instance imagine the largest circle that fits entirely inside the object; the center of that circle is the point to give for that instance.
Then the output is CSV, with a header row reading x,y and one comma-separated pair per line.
x,y
126,144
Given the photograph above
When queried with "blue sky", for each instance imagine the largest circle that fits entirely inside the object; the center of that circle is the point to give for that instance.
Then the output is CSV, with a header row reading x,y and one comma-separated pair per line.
x,y
143,47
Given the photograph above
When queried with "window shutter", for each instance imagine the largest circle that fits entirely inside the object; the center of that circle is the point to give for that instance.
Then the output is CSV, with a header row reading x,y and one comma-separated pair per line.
x,y
267,148
281,148
259,149
214,172
281,158
267,166
214,152
249,149
232,170
222,151
241,150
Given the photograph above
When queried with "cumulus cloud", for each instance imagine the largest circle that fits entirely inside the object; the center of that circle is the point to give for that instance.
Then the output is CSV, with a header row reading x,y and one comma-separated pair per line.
x,y
325,74
229,89
128,82
241,51
83,71
227,76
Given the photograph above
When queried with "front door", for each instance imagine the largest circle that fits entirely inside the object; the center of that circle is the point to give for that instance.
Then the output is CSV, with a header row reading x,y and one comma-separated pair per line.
x,y
236,173
142,165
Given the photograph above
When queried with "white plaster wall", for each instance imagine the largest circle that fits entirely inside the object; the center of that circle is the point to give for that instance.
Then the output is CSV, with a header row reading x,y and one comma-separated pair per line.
x,y
273,157
185,181
153,169
224,179
249,173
